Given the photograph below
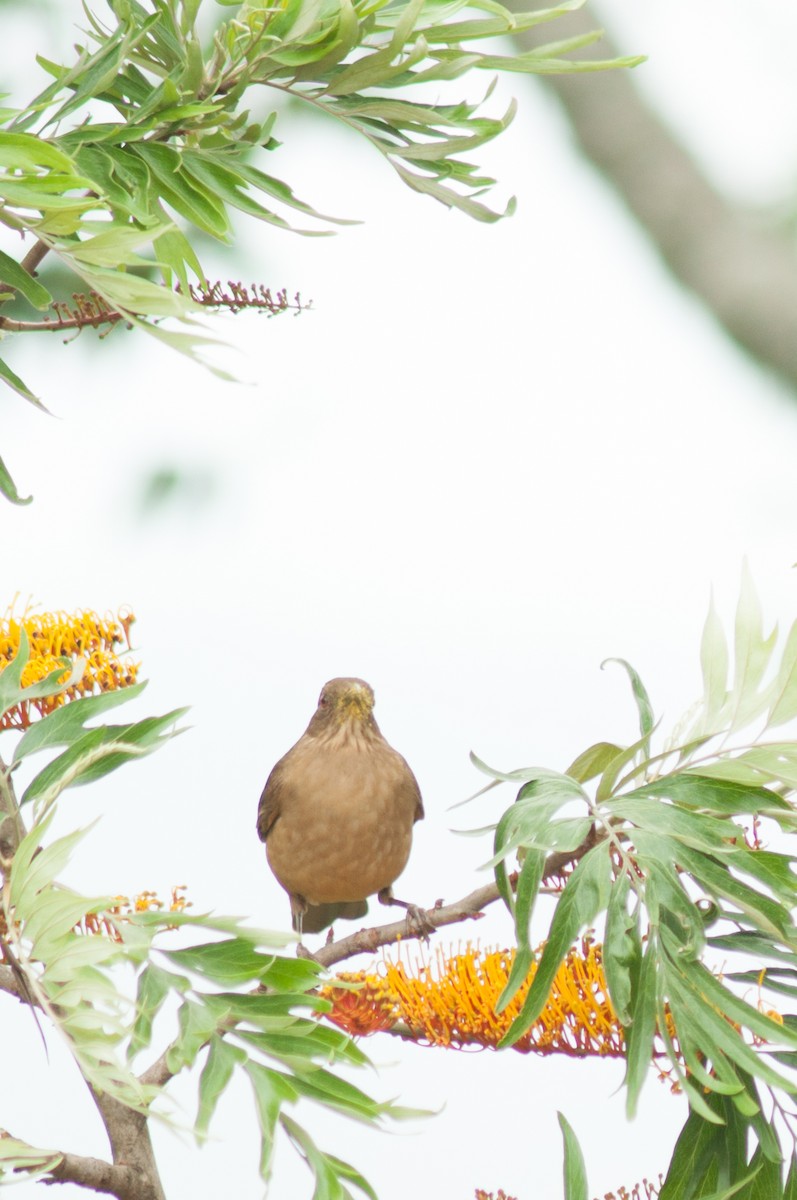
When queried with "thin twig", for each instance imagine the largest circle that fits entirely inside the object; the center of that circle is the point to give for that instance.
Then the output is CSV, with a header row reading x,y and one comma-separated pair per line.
x,y
34,256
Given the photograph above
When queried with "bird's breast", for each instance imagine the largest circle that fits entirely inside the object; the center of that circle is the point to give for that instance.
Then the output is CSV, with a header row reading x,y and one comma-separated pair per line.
x,y
345,825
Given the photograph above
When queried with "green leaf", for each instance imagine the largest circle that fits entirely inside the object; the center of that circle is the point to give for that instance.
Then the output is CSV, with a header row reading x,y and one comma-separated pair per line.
x,y
115,246
7,485
36,867
585,894
784,702
528,886
639,1045
693,829
227,962
725,797
154,985
65,725
646,721
790,1190
55,914
286,1037
717,879
670,907
98,752
197,1025
325,1167
13,380
522,775
264,1009
575,1171
15,276
593,761
713,993
24,152
17,1156
196,202
714,664
763,1182
280,191
622,950
752,654
695,1164
272,1090
693,1005
330,1090
528,822
217,1072
344,1170
230,184
615,765
753,942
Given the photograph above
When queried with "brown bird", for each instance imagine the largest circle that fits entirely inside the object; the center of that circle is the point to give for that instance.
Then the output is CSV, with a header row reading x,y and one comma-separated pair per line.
x,y
337,812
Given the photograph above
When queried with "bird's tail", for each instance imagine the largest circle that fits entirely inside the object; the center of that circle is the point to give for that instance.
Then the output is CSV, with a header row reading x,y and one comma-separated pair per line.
x,y
319,916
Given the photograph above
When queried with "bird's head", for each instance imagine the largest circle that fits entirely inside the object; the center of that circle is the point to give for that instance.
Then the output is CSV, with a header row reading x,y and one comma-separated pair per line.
x,y
344,702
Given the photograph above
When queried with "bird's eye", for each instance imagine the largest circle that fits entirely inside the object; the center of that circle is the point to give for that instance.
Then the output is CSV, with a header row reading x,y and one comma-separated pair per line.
x,y
322,701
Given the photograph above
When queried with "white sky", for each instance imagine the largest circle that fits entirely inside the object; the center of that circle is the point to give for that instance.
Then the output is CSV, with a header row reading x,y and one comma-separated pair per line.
x,y
488,459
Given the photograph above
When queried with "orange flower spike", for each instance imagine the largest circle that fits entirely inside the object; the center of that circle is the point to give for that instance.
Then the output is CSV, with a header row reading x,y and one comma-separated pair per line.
x,y
455,1003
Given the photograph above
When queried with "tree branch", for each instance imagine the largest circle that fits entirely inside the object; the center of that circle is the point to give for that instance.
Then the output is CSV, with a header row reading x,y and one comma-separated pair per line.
x,y
131,1147
469,908
366,941
11,984
745,273
97,1175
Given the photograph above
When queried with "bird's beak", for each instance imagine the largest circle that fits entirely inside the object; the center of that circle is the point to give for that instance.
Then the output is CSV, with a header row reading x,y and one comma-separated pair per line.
x,y
356,704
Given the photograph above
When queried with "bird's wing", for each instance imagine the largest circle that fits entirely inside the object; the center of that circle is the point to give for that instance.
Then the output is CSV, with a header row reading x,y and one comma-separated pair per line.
x,y
419,813
411,784
270,805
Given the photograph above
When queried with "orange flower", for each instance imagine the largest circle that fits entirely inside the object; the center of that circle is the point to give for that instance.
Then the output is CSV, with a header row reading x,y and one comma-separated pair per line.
x,y
107,921
58,636
365,1007
453,1003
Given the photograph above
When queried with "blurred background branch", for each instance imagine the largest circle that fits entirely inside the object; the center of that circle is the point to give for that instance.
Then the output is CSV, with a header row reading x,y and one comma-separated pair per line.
x,y
742,268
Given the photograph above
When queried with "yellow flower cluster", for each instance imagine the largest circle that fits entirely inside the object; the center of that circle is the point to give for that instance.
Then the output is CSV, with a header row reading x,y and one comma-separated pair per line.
x,y
453,1003
58,635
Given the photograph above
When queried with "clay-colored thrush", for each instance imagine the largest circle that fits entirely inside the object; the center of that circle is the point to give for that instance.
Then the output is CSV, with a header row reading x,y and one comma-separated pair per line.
x,y
337,812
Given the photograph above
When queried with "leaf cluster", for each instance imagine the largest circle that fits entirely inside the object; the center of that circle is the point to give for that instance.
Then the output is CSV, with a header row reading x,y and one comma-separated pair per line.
x,y
669,862
157,133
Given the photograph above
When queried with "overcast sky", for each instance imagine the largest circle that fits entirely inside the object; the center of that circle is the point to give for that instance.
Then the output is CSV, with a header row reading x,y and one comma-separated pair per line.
x,y
488,458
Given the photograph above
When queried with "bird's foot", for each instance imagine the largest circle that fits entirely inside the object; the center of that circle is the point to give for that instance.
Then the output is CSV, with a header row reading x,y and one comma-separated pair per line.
x,y
419,923
303,952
